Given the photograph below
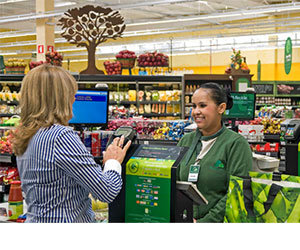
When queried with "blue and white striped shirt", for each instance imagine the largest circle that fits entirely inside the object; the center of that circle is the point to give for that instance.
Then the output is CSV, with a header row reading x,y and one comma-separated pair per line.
x,y
58,174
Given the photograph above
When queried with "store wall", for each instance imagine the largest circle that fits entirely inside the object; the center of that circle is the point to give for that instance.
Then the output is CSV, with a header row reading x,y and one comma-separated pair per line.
x,y
272,64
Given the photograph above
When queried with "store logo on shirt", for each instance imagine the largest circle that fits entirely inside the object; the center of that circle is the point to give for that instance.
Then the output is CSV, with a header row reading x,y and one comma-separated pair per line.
x,y
218,165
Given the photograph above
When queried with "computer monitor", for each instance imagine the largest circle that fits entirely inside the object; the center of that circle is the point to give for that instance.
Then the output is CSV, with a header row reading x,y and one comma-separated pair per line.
x,y
243,106
90,108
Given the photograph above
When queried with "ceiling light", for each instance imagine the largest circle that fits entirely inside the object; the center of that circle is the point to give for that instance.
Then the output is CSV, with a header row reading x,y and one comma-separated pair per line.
x,y
64,4
203,17
12,1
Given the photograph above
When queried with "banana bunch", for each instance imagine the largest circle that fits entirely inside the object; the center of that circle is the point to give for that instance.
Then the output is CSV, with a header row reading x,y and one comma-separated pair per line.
x,y
271,126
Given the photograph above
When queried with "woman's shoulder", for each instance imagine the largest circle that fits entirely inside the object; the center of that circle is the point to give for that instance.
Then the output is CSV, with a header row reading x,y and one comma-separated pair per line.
x,y
56,130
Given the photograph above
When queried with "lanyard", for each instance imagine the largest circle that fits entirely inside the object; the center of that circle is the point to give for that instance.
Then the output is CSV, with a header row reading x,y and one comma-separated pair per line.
x,y
197,141
192,148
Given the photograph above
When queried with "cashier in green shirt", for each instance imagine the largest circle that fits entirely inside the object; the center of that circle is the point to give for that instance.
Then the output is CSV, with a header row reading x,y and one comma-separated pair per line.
x,y
214,154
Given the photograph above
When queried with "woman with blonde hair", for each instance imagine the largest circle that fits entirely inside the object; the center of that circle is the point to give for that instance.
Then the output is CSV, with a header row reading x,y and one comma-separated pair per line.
x,y
56,170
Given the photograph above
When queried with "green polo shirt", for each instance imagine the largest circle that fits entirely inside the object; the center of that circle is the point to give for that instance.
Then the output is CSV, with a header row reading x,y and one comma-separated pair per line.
x,y
229,155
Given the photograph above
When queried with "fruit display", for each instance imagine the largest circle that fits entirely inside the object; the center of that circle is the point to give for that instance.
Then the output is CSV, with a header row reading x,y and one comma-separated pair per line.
x,y
54,58
113,68
271,126
5,142
238,63
34,64
15,66
153,59
126,58
152,129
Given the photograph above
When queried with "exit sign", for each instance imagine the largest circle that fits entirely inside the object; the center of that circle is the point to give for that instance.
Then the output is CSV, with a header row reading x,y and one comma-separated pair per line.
x,y
40,49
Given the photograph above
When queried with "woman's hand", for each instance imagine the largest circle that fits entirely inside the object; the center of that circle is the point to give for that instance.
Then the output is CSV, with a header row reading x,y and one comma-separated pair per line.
x,y
116,150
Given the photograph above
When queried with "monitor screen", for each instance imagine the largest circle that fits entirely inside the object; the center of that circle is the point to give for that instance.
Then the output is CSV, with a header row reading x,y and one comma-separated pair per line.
x,y
243,106
90,108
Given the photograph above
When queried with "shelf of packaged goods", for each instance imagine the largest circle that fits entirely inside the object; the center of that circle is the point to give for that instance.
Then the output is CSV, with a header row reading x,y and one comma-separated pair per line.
x,y
7,158
159,115
159,102
277,105
9,102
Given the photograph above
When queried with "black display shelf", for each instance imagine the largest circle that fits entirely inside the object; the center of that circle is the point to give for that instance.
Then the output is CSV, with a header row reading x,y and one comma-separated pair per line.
x,y
121,102
127,78
271,154
189,104
160,115
189,93
105,78
11,77
4,188
8,158
272,137
157,142
9,102
257,142
7,115
159,102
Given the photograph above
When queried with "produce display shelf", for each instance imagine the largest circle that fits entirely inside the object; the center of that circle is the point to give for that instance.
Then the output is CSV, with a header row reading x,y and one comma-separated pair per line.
x,y
7,115
160,115
104,78
121,102
9,102
189,93
159,102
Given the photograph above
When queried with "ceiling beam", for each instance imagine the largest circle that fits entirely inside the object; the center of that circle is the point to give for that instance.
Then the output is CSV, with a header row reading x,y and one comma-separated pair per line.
x,y
151,3
236,4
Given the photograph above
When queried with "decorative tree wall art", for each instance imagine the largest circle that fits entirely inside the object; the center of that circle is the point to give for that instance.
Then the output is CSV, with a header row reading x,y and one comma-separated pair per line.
x,y
89,26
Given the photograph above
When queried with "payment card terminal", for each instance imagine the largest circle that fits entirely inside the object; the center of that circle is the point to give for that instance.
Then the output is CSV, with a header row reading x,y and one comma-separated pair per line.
x,y
128,132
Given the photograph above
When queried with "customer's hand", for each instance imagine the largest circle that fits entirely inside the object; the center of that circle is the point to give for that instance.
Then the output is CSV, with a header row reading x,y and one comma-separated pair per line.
x,y
116,150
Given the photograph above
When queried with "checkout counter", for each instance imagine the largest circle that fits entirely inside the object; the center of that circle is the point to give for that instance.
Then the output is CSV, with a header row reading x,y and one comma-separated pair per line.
x,y
150,192
290,147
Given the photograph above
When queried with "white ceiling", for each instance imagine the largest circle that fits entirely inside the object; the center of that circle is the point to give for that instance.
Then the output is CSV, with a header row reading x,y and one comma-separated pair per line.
x,y
151,11
165,16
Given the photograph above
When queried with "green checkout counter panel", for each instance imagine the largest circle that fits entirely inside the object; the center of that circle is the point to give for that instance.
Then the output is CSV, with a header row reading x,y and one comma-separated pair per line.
x,y
150,192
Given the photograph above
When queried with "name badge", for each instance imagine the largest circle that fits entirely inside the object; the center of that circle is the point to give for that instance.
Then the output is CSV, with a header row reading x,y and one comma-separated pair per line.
x,y
194,172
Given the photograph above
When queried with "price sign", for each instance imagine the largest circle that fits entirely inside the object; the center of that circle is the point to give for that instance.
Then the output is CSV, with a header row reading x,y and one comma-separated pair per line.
x,y
266,89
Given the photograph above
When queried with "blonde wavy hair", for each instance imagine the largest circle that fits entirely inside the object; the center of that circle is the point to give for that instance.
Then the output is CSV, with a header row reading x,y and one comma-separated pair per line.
x,y
47,95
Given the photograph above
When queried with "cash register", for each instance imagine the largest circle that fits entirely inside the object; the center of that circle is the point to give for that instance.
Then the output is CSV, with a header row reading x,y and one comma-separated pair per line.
x,y
290,157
